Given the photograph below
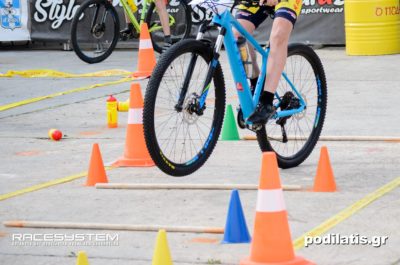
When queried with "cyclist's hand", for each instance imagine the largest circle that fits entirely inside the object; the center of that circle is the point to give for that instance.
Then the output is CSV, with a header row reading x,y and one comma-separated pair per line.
x,y
269,2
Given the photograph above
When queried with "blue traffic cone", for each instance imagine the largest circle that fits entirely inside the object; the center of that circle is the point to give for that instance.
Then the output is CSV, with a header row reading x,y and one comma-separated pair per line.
x,y
235,229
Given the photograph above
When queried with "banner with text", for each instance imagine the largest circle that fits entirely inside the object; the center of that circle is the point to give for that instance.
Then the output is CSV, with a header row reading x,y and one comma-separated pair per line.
x,y
321,21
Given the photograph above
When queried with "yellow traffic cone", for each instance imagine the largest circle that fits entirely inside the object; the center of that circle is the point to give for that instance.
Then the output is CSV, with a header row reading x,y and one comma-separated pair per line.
x,y
82,258
162,256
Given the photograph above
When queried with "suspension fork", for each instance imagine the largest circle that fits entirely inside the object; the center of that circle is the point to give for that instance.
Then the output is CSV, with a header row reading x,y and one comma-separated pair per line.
x,y
103,22
210,72
96,13
188,77
212,66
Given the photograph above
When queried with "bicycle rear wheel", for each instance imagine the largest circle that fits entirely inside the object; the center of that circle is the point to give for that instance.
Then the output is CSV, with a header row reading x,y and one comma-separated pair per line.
x,y
180,23
304,69
95,31
180,140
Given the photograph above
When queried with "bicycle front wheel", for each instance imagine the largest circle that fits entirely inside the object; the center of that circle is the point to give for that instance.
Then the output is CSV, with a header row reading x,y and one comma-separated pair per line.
x,y
302,130
180,23
95,31
180,138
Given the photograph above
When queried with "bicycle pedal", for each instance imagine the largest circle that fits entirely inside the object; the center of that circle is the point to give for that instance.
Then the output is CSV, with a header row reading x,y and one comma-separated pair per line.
x,y
126,36
255,127
134,35
123,37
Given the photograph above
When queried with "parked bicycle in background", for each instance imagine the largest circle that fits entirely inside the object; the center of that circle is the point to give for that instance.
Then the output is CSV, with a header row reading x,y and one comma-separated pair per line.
x,y
95,28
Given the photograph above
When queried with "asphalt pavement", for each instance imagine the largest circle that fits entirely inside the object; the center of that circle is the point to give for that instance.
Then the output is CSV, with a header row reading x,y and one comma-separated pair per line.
x,y
363,100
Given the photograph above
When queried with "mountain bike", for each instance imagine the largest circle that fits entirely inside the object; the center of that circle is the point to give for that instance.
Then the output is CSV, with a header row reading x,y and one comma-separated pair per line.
x,y
185,99
95,28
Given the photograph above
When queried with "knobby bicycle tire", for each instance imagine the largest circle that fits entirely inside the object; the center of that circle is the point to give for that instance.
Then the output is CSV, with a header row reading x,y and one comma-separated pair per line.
x,y
80,38
165,158
268,142
179,31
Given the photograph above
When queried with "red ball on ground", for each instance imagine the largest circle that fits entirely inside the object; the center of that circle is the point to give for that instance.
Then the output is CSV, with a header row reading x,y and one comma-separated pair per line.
x,y
55,134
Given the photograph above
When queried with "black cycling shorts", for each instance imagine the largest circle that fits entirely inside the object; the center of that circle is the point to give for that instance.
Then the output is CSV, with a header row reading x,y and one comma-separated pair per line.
x,y
289,9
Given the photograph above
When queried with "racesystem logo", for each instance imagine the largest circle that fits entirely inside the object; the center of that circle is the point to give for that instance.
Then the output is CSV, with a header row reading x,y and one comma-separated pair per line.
x,y
322,7
60,239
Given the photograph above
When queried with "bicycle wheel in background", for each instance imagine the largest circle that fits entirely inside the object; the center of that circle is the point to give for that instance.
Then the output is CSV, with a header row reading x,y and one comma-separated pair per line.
x,y
181,138
180,23
95,30
304,69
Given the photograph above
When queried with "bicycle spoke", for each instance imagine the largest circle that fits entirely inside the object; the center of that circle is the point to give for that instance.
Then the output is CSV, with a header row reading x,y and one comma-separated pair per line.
x,y
300,126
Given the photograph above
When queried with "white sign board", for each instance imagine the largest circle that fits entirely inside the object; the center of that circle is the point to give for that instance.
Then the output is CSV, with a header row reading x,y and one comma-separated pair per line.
x,y
14,20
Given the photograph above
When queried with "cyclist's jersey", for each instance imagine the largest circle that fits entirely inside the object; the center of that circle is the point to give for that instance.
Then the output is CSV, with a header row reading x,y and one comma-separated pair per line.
x,y
252,12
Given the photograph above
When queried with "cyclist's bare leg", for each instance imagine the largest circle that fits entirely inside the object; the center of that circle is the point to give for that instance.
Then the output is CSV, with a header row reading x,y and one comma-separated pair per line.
x,y
279,39
250,28
129,26
164,17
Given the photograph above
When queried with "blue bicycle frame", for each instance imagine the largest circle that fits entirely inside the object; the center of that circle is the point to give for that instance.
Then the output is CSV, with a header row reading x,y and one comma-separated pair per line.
x,y
247,102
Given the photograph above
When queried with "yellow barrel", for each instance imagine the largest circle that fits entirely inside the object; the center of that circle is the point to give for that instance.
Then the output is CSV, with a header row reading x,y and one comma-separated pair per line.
x,y
372,27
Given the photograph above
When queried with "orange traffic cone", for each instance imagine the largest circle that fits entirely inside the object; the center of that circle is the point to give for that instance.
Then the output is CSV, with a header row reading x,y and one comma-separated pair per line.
x,y
147,58
96,173
272,243
136,154
324,180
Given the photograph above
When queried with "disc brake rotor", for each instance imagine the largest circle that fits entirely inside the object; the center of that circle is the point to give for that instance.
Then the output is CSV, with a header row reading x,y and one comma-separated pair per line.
x,y
98,31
